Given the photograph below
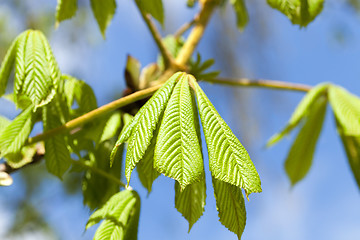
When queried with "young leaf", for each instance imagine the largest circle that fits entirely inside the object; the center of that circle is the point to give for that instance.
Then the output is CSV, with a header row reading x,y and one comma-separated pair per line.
x,y
301,111
104,12
242,17
6,66
190,202
177,151
230,205
346,107
142,126
57,155
121,217
4,122
154,7
301,153
229,160
298,11
65,9
15,134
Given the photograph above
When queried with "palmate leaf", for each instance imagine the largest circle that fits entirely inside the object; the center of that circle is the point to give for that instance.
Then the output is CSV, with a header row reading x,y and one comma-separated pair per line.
x,y
121,216
301,153
346,107
242,17
229,160
177,151
230,205
140,130
104,11
15,134
57,155
300,12
301,111
65,9
6,66
190,202
154,7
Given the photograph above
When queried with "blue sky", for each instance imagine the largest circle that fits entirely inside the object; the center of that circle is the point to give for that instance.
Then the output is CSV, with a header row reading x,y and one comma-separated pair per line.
x,y
325,205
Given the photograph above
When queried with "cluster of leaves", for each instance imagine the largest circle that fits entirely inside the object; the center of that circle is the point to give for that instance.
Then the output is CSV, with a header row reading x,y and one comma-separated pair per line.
x,y
164,138
309,116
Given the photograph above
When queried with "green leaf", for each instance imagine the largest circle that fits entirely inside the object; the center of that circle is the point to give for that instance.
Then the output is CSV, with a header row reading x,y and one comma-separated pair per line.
x,y
65,9
242,17
139,131
177,151
229,160
301,153
121,217
154,7
104,12
191,201
15,134
346,107
20,65
57,155
132,73
4,122
300,12
231,206
6,66
301,111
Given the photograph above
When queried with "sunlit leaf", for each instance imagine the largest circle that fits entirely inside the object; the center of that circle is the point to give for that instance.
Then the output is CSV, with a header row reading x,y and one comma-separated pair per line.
x,y
65,9
154,7
6,66
242,17
104,11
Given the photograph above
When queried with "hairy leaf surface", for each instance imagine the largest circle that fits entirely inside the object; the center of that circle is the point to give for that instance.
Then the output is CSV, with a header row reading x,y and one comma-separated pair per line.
x,y
65,9
301,153
301,111
229,160
230,205
6,66
177,151
242,17
190,202
104,12
154,7
121,216
300,12
346,107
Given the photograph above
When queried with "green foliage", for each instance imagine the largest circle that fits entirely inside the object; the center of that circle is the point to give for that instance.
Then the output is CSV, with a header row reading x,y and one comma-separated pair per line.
x,y
153,7
104,12
299,159
228,159
177,152
6,66
230,205
300,12
198,68
65,9
120,215
242,17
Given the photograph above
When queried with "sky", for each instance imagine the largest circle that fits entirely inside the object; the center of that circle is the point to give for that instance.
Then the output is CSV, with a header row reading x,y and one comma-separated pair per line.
x,y
325,205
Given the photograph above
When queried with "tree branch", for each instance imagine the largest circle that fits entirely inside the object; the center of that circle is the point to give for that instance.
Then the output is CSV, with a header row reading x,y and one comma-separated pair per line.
x,y
185,27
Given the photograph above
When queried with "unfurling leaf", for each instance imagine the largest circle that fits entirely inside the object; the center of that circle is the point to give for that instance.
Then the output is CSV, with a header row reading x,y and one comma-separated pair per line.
x,y
190,202
6,66
104,11
300,12
301,153
177,151
242,17
120,215
65,9
230,205
229,160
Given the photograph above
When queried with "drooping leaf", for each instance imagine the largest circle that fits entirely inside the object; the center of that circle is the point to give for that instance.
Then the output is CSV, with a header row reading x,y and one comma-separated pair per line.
x,y
301,111
57,155
229,160
231,206
139,131
154,7
6,66
132,73
242,17
190,202
65,9
121,216
300,12
300,156
4,122
104,12
15,134
177,151
20,71
346,107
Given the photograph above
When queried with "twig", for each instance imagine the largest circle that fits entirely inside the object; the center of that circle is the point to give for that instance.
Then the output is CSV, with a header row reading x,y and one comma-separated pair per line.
x,y
184,28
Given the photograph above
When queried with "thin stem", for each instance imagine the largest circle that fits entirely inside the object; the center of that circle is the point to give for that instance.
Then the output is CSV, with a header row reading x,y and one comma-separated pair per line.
x,y
245,82
95,114
184,28
98,171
